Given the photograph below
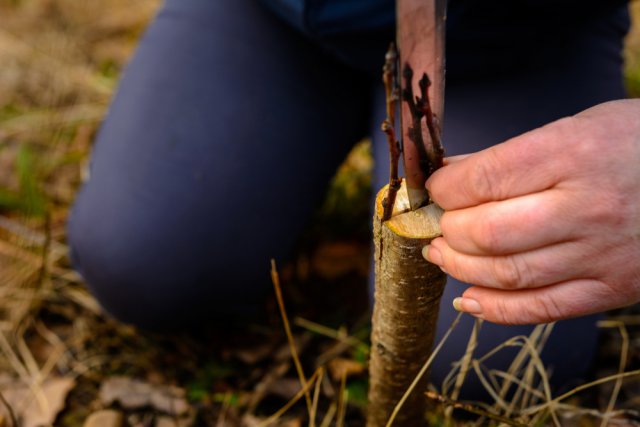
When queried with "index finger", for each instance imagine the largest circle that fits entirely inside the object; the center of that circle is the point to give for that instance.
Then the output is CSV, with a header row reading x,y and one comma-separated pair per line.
x,y
522,165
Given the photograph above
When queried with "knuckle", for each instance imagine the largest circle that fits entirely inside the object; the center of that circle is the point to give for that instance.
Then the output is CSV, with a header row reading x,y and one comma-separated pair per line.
x,y
436,191
488,235
569,126
502,311
544,309
584,145
455,266
512,273
517,312
438,185
447,224
485,183
612,210
452,265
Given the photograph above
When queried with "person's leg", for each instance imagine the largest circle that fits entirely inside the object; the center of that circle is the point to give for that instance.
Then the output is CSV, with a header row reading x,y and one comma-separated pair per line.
x,y
483,112
225,130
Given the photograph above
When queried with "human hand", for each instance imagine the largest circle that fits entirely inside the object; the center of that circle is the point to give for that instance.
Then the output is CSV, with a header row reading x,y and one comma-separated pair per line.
x,y
546,225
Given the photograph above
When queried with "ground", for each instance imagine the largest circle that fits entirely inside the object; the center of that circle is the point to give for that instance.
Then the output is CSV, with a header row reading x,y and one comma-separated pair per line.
x,y
63,361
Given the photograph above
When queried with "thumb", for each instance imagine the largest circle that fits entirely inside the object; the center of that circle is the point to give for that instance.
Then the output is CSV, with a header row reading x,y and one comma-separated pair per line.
x,y
525,164
453,159
538,305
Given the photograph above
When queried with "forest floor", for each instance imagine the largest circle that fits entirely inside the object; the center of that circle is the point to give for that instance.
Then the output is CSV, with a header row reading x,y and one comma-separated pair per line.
x,y
64,362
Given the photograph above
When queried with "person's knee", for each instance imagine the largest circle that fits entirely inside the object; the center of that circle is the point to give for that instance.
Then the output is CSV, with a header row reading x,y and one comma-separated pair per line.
x,y
109,267
145,278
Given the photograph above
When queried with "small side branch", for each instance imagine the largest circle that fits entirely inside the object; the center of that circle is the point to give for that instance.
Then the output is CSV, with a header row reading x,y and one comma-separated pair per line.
x,y
389,73
433,124
430,155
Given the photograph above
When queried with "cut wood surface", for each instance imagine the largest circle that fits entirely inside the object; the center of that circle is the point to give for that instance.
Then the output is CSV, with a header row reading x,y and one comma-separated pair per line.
x,y
407,296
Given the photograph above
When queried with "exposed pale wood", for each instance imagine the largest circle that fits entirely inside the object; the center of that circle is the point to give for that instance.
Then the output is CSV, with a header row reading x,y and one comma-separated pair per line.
x,y
423,223
407,296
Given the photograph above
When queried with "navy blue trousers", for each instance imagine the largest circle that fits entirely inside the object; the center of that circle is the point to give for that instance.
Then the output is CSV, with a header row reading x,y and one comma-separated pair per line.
x,y
228,124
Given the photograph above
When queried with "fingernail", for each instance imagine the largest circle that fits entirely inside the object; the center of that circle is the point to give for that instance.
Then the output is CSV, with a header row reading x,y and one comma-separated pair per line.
x,y
432,255
467,305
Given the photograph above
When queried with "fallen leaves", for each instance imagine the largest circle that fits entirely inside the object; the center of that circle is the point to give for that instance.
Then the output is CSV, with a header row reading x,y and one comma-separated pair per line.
x,y
342,367
35,405
134,394
105,418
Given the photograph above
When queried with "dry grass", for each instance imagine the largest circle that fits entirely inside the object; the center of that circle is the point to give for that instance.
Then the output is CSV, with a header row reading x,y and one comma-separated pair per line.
x,y
632,53
60,63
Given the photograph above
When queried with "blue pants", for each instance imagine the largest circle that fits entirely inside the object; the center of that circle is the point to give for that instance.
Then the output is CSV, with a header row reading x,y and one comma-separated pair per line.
x,y
228,124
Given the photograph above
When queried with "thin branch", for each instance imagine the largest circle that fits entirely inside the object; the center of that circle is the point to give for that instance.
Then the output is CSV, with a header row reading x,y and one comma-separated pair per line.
x,y
436,153
389,77
415,130
430,155
389,72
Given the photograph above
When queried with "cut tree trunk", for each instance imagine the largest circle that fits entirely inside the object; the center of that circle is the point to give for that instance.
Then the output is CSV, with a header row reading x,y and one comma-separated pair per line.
x,y
407,296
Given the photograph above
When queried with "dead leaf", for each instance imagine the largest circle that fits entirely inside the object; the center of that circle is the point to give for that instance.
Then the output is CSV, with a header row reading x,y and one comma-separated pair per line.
x,y
166,421
37,406
256,354
134,394
296,422
104,418
285,387
340,367
249,420
253,421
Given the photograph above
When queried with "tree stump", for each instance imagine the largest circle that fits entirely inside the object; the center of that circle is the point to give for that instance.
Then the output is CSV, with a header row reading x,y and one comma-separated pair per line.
x,y
408,290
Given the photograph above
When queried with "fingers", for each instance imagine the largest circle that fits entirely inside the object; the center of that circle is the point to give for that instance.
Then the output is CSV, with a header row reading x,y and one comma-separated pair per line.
x,y
515,225
542,305
543,225
526,164
531,269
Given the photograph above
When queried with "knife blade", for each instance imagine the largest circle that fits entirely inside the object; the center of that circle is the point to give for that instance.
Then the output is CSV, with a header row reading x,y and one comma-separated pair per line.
x,y
421,45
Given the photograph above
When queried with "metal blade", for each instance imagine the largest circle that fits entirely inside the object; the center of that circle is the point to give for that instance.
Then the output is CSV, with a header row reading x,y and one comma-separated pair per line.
x,y
421,44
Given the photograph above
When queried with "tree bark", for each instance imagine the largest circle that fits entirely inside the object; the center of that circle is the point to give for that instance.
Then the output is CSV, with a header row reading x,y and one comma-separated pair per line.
x,y
407,297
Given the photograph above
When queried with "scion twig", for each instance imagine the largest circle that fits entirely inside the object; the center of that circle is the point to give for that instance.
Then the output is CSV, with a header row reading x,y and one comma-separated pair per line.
x,y
389,73
431,155
433,125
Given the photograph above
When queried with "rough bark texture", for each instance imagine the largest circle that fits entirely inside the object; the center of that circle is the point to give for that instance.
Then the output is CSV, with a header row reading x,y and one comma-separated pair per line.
x,y
407,296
